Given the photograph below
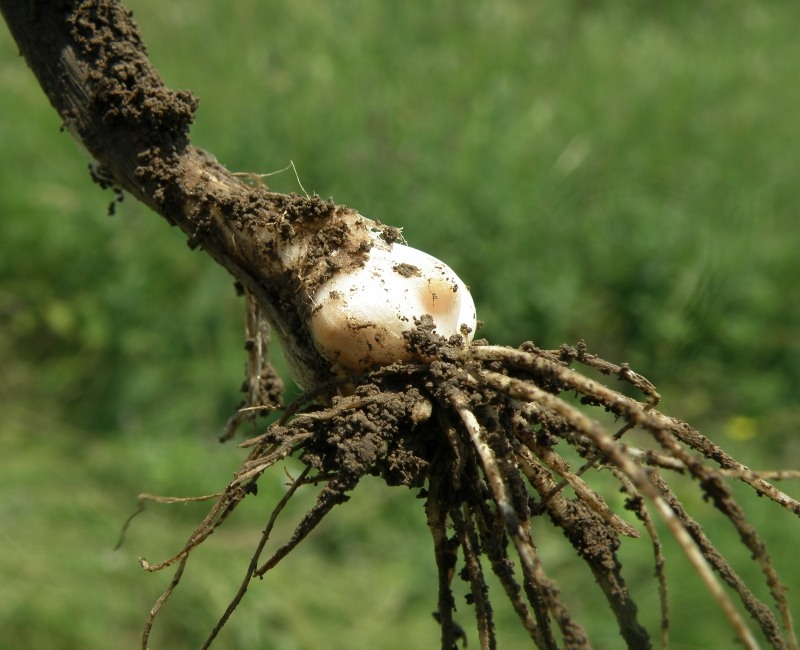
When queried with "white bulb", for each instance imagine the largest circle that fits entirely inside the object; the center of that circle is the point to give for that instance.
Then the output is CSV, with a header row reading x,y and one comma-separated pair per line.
x,y
359,317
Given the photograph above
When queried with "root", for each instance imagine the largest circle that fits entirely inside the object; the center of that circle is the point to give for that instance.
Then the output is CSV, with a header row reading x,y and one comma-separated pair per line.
x,y
479,429
252,567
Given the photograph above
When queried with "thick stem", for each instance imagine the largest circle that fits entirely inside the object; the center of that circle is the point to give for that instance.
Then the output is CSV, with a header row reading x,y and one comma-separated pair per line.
x,y
90,61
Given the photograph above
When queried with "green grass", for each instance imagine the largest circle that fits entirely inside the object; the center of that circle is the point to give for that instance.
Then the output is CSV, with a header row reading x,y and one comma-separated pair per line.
x,y
624,174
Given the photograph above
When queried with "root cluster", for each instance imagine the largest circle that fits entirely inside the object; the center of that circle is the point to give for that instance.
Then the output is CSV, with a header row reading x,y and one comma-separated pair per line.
x,y
478,431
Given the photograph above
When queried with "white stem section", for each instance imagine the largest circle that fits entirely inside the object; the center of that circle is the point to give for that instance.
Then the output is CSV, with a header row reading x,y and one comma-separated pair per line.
x,y
359,316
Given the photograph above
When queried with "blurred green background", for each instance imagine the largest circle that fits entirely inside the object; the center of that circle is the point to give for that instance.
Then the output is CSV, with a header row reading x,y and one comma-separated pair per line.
x,y
620,172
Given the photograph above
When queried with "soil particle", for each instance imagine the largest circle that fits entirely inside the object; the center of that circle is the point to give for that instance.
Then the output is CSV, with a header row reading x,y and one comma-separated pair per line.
x,y
407,270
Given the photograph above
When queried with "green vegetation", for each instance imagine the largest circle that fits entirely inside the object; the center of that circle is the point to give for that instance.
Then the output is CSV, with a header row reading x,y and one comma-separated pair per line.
x,y
626,174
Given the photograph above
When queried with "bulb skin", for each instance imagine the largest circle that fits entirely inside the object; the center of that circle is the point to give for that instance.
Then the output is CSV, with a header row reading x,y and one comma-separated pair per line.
x,y
359,317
